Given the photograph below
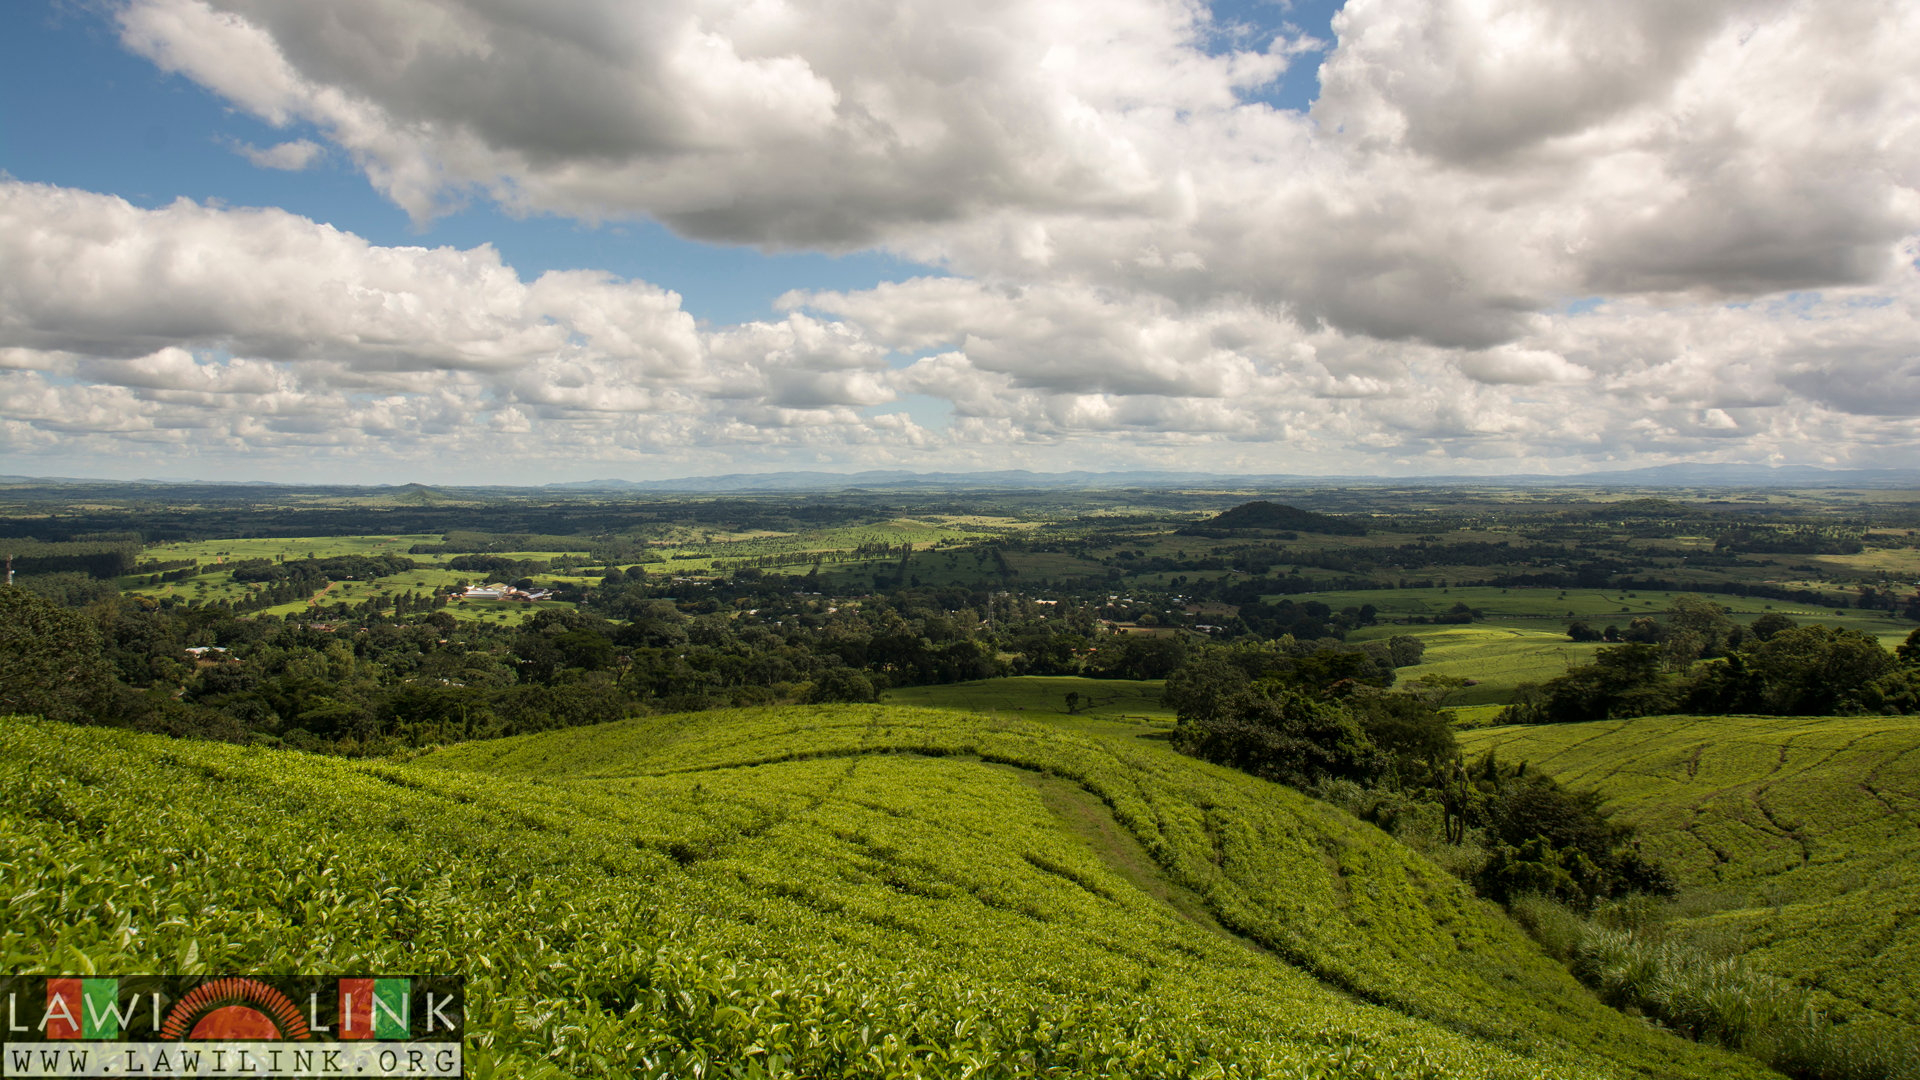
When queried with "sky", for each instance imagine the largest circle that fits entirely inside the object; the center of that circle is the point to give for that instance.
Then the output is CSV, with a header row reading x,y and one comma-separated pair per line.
x,y
513,241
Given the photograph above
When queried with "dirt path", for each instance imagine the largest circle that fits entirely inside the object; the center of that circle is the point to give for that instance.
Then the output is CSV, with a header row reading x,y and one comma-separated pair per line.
x,y
1082,814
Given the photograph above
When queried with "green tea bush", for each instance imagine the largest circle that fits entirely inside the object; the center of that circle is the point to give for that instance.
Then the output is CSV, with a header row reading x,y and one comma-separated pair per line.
x,y
798,892
1795,842
1620,951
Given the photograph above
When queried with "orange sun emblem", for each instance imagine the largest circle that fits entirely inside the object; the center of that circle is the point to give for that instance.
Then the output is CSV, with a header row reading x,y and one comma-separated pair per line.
x,y
234,1010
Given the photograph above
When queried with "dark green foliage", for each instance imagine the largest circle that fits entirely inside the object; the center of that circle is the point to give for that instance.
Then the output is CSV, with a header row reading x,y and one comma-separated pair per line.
x,y
1267,515
1814,670
1137,656
1791,541
1281,734
1624,680
1201,689
1779,669
1805,671
840,685
1415,734
70,589
335,568
1406,650
1546,840
50,661
106,558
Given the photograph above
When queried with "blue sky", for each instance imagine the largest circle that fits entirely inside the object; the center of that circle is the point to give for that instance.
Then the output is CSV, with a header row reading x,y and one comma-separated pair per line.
x,y
858,233
77,109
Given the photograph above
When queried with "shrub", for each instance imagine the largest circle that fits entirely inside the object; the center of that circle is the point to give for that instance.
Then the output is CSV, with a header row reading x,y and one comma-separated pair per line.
x,y
1619,952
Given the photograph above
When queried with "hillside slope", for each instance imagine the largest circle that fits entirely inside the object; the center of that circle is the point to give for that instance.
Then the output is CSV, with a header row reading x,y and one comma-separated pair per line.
x,y
1797,840
834,891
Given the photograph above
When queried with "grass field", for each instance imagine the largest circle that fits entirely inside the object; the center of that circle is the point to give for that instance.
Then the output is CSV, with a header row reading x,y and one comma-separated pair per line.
x,y
843,891
1043,695
1497,658
1522,637
1797,840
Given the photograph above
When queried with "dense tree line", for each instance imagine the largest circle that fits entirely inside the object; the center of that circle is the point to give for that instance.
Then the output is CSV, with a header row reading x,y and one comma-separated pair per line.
x,y
332,568
95,558
1699,661
390,671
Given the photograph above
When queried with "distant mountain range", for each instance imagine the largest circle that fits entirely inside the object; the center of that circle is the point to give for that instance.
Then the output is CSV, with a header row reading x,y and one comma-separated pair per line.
x,y
1683,475
897,479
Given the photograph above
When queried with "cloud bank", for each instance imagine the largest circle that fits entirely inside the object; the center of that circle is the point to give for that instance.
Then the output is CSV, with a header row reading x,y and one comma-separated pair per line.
x,y
1509,234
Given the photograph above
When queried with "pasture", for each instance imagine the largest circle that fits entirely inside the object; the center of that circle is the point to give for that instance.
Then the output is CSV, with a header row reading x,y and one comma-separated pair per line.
x,y
1796,840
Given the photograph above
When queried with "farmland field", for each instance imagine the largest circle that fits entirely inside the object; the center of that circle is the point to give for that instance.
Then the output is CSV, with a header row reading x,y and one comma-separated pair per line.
x,y
1797,840
828,891
1497,659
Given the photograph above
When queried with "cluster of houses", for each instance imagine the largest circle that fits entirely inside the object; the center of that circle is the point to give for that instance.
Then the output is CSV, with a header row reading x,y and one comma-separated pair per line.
x,y
497,591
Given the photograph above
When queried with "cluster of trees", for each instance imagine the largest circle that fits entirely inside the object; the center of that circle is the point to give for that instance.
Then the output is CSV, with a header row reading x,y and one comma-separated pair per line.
x,y
1544,840
1801,540
99,556
497,567
332,568
1325,720
1303,712
400,671
1699,661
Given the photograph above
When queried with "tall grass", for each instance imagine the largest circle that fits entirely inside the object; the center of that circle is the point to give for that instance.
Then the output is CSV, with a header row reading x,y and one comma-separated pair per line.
x,y
1621,953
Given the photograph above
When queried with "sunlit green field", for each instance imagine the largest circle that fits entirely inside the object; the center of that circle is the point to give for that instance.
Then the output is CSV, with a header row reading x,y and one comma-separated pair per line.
x,y
1797,839
1496,658
1043,695
843,891
1522,637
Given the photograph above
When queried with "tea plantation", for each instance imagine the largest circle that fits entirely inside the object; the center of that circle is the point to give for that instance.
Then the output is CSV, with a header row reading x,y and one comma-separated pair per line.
x,y
834,891
1797,840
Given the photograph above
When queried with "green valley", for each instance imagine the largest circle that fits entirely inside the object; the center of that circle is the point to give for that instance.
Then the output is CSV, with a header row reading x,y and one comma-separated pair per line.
x,y
1151,782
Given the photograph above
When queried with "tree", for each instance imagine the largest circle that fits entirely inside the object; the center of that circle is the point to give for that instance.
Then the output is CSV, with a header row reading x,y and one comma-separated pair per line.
x,y
840,684
50,660
1409,729
1545,839
1406,650
1908,651
1624,680
1699,616
1437,688
1202,687
1816,670
1285,735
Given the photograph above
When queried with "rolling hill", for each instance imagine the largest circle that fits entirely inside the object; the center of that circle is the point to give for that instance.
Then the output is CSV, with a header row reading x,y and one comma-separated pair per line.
x,y
1279,516
1796,840
857,891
